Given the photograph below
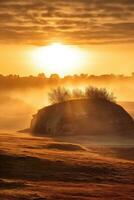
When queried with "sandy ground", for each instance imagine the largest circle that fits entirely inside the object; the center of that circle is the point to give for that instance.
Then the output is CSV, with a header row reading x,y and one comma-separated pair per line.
x,y
35,168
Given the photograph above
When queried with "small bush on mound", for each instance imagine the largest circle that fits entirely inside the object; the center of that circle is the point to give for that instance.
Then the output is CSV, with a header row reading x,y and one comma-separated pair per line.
x,y
61,94
99,94
78,94
65,146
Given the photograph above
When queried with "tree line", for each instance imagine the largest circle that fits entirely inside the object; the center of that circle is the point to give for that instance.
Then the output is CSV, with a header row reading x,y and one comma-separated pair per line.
x,y
16,81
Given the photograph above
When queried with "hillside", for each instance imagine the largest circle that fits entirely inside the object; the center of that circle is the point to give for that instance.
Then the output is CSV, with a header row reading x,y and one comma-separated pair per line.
x,y
34,168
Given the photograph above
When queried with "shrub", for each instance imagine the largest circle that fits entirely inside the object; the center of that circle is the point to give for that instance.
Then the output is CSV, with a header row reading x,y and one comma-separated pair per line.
x,y
59,95
99,94
77,94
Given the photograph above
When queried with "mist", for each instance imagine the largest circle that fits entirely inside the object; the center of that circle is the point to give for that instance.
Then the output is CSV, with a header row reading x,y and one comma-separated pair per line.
x,y
21,97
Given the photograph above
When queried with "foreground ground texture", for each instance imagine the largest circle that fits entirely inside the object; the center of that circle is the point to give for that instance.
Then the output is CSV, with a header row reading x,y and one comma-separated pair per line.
x,y
35,168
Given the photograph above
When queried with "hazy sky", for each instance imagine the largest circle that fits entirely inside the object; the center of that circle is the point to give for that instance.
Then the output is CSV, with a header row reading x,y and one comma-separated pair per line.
x,y
103,28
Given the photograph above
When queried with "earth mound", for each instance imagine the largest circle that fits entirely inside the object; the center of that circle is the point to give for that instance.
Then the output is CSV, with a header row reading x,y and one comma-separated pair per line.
x,y
83,117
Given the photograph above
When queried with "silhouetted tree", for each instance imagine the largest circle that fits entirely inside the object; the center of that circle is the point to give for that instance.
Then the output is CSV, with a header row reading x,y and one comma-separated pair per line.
x,y
54,76
41,76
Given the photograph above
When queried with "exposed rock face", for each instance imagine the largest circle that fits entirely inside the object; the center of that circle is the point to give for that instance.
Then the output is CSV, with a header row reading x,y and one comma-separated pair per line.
x,y
82,117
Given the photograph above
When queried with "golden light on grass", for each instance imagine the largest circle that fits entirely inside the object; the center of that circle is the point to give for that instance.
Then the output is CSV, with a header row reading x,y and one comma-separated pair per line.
x,y
58,58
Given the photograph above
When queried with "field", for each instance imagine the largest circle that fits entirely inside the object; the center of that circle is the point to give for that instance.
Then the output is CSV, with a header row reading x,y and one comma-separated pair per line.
x,y
36,168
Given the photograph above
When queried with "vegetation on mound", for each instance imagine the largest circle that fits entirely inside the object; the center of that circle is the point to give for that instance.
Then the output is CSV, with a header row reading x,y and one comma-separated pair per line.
x,y
60,94
92,111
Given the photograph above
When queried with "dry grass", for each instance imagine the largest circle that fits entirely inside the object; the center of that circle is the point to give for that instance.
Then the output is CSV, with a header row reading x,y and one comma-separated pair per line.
x,y
40,168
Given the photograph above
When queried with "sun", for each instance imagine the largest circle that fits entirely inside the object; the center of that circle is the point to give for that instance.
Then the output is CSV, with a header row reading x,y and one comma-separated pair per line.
x,y
58,58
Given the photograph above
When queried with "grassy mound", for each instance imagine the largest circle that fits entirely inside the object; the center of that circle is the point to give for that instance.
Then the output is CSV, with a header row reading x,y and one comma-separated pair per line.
x,y
83,117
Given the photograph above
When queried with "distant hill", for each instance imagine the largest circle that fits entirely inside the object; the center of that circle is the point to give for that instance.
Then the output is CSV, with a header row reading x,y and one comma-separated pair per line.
x,y
83,117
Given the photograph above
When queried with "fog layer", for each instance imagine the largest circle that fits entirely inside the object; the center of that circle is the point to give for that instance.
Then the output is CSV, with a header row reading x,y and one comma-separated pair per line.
x,y
21,97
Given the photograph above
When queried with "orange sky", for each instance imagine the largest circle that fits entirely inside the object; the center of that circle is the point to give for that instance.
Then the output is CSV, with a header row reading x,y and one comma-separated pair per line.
x,y
103,29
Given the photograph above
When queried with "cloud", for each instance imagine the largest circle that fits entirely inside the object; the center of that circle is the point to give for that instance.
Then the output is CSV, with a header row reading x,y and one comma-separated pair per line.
x,y
76,22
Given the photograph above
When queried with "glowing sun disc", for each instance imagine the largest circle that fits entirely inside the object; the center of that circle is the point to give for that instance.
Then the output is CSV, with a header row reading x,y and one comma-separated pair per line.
x,y
58,58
